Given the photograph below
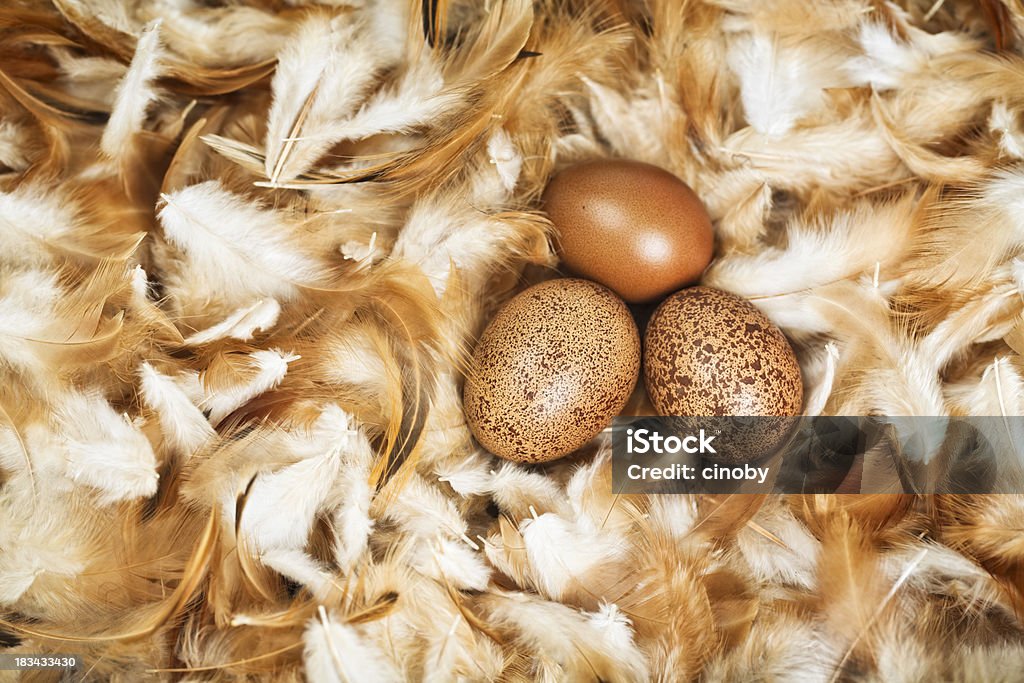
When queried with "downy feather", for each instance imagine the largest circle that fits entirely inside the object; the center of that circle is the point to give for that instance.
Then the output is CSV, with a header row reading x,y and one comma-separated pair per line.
x,y
135,94
323,74
233,247
335,652
181,422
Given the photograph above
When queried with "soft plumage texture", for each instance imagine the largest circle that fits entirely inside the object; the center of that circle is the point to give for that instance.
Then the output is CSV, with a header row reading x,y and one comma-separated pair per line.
x,y
246,247
134,95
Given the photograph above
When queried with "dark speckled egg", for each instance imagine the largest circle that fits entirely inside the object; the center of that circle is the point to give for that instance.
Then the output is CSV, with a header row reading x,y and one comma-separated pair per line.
x,y
712,353
631,226
551,370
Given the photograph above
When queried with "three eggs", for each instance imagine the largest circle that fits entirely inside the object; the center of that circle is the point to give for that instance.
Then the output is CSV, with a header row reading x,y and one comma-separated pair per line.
x,y
561,359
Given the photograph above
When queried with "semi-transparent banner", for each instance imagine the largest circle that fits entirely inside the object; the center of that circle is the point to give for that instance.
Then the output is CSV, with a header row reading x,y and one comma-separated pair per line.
x,y
818,455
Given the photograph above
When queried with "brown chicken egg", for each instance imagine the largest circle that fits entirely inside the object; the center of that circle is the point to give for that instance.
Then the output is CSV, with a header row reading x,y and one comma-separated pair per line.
x,y
551,370
631,226
712,353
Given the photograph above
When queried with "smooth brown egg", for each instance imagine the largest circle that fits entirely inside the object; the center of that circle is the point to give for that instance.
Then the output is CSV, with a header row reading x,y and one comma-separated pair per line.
x,y
631,226
712,353
552,369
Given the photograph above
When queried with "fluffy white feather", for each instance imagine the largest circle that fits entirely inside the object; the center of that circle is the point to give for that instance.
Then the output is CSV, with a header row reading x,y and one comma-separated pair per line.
x,y
998,398
648,117
282,505
505,157
1003,121
30,218
335,652
676,515
795,563
953,256
236,248
999,392
104,449
12,153
454,561
589,491
271,366
469,476
562,553
779,83
456,651
352,496
516,489
887,61
990,315
583,645
615,628
220,36
27,300
36,545
418,98
424,512
14,458
135,94
323,74
819,373
439,235
242,324
941,568
90,76
354,359
352,522
821,249
844,157
181,422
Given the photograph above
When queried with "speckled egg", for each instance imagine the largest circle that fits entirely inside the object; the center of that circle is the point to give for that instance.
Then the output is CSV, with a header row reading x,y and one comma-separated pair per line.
x,y
631,226
712,353
551,370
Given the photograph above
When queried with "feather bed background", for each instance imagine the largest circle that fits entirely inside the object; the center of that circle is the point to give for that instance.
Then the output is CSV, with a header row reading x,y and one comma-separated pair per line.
x,y
245,246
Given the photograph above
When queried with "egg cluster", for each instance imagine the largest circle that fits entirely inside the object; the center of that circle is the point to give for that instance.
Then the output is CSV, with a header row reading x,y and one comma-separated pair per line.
x,y
562,358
